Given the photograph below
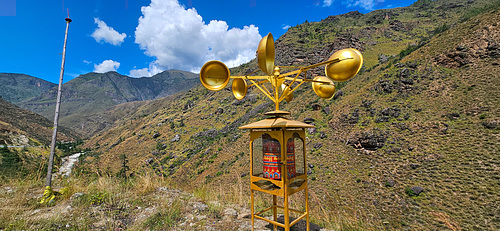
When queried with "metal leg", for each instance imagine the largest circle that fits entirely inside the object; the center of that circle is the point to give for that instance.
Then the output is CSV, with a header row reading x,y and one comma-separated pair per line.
x,y
275,212
252,209
286,212
307,208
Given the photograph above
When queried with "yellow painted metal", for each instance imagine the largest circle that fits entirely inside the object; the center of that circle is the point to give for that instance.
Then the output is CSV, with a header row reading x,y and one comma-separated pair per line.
x,y
214,75
341,66
239,88
48,195
266,54
342,71
287,93
324,91
282,130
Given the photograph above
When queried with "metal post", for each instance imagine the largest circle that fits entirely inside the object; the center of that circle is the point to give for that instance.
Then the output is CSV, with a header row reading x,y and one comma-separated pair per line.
x,y
48,182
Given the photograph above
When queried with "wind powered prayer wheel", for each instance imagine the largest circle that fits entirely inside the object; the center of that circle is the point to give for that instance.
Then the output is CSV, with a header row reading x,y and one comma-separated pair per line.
x,y
277,144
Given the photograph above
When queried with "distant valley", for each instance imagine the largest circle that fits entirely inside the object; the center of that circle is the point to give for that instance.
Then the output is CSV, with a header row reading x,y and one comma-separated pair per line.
x,y
87,96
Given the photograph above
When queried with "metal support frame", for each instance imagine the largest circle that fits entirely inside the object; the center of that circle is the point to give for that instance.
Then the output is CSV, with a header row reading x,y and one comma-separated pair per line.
x,y
282,135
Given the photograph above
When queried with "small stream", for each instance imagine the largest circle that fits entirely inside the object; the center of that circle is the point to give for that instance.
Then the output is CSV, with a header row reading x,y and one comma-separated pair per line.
x,y
67,164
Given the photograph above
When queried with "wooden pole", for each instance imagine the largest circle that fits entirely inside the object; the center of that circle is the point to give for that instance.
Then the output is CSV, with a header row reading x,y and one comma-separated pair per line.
x,y
48,182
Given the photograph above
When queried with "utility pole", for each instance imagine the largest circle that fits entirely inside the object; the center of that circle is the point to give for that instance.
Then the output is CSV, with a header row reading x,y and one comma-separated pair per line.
x,y
48,194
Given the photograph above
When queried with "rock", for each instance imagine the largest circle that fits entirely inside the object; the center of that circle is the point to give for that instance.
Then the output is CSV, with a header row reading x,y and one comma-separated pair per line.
x,y
417,190
370,140
322,135
308,120
219,111
453,115
198,206
317,145
390,183
210,133
316,107
176,138
366,103
326,110
311,131
491,124
310,165
382,119
300,225
244,214
66,209
188,105
156,135
149,161
382,58
309,172
76,196
230,213
338,94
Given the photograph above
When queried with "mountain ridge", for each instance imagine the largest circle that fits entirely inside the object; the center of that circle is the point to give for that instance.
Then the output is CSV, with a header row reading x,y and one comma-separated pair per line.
x,y
94,93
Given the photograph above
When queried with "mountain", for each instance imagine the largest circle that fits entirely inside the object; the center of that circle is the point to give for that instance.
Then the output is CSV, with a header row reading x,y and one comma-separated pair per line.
x,y
410,143
92,93
19,87
22,127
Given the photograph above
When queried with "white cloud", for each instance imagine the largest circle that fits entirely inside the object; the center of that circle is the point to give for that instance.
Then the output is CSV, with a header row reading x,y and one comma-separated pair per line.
x,y
146,72
86,62
106,65
107,34
285,27
367,4
327,3
180,39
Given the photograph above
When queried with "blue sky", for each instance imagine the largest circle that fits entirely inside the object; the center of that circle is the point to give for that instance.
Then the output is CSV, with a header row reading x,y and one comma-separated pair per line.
x,y
142,38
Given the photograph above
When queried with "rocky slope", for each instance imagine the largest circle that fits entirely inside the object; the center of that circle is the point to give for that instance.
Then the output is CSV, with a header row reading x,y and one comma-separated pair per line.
x,y
20,127
93,93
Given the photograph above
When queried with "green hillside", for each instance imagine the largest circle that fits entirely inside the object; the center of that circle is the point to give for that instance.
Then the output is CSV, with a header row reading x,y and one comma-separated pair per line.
x,y
19,87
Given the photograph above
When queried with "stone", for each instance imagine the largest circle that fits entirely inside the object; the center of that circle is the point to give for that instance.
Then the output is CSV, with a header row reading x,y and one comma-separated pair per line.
x,y
198,206
309,120
76,195
156,135
176,138
300,225
326,110
338,94
311,131
219,111
491,124
370,140
382,58
417,190
317,145
230,213
316,107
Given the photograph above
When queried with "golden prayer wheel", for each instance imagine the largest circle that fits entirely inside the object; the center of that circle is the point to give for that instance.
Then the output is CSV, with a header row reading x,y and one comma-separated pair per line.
x,y
277,144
